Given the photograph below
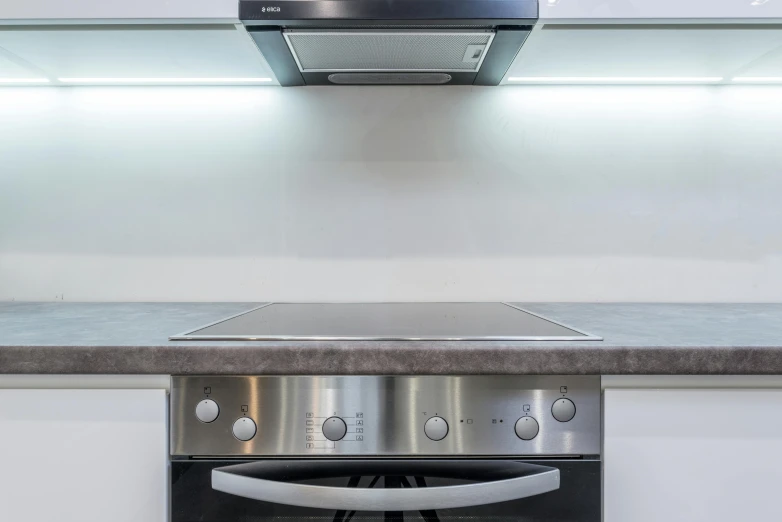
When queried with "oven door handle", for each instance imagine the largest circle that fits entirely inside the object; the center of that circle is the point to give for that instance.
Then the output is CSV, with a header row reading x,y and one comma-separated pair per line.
x,y
269,481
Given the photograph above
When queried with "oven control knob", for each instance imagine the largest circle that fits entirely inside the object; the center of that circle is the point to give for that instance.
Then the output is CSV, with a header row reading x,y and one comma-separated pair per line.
x,y
436,428
563,410
244,428
527,428
207,410
334,428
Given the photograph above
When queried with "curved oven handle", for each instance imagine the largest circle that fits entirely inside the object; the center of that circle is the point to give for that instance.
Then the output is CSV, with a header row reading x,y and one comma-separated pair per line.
x,y
508,480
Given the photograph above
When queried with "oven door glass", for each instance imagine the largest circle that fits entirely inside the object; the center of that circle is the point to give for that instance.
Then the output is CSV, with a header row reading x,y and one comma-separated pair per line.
x,y
385,490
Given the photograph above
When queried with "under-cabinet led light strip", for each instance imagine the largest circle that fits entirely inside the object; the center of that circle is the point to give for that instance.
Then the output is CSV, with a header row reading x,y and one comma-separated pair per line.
x,y
161,80
22,81
616,79
757,79
513,79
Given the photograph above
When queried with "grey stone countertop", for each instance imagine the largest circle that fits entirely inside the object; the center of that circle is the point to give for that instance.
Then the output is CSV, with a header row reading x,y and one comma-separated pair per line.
x,y
132,338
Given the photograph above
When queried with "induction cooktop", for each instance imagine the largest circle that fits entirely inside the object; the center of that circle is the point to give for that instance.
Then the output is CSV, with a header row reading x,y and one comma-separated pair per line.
x,y
386,321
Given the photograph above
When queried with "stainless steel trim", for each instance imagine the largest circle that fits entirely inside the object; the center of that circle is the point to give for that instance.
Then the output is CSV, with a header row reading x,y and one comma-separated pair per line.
x,y
341,338
387,31
187,335
465,457
184,334
587,336
409,499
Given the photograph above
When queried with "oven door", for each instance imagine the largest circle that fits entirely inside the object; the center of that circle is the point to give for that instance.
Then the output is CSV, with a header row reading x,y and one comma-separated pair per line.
x,y
388,490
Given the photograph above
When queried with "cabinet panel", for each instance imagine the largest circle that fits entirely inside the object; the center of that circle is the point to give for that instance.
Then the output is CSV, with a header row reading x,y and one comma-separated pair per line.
x,y
224,52
620,53
83,455
692,455
101,9
650,9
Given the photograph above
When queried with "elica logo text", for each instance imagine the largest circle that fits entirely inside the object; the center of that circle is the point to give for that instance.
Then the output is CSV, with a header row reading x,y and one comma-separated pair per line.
x,y
270,9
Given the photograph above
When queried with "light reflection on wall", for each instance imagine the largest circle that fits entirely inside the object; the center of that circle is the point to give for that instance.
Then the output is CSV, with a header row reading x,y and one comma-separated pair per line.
x,y
534,193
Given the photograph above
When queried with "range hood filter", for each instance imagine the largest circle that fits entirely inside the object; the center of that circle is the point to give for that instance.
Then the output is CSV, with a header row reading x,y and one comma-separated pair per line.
x,y
377,78
388,50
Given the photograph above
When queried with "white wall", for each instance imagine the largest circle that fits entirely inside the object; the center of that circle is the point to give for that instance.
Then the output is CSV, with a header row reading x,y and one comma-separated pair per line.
x,y
527,194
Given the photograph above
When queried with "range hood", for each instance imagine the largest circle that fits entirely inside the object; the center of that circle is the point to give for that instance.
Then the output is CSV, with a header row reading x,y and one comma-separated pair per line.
x,y
365,42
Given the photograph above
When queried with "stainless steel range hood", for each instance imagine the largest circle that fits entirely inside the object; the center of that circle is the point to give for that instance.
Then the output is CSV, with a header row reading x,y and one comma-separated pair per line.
x,y
349,42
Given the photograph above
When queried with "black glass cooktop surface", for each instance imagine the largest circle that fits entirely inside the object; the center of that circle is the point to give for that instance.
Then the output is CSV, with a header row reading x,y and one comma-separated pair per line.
x,y
386,321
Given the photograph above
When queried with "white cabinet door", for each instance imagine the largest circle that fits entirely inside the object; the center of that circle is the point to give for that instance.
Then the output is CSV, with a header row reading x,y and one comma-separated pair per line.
x,y
83,456
692,455
117,9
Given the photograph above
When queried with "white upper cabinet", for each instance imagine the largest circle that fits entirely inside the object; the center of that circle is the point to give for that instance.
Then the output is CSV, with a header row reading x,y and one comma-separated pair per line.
x,y
701,42
113,9
659,9
136,54
648,53
140,42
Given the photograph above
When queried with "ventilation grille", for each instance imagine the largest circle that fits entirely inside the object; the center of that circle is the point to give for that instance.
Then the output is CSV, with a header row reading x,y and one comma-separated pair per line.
x,y
400,27
357,51
389,78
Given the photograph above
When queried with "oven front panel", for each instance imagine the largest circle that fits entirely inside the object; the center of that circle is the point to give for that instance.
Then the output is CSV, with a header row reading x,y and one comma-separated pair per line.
x,y
577,499
385,416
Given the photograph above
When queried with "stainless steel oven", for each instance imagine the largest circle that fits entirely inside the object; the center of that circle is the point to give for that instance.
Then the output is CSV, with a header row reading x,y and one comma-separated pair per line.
x,y
393,448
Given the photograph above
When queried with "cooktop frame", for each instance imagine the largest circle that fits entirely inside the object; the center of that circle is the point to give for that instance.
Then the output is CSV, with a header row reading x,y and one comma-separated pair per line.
x,y
190,335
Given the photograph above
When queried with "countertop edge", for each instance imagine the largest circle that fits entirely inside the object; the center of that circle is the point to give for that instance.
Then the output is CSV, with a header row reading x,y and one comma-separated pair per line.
x,y
189,359
639,339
